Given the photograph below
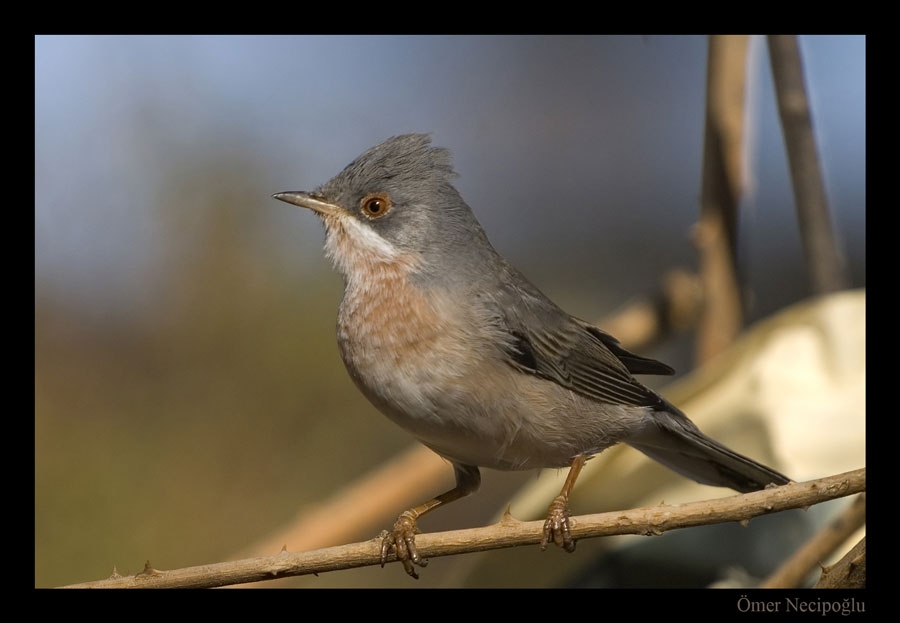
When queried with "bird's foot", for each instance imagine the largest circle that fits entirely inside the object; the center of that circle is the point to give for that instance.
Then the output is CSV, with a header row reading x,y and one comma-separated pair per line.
x,y
402,540
556,528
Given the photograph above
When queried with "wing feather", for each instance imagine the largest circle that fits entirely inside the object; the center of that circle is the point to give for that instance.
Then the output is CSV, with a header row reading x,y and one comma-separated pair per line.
x,y
580,357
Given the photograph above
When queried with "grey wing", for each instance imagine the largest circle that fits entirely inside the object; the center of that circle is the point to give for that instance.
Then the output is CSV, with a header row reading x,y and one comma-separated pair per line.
x,y
546,341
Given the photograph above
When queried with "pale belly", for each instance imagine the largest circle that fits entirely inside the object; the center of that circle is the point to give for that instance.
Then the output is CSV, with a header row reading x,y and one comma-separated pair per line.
x,y
444,383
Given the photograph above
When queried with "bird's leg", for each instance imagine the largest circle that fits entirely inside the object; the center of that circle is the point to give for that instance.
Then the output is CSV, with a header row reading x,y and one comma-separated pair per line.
x,y
556,528
402,539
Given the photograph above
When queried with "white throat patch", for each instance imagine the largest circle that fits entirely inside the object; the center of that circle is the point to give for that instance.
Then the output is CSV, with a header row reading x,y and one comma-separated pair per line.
x,y
350,245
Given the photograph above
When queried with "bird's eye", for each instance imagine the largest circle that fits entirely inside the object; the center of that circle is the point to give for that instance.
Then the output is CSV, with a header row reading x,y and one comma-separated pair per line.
x,y
376,205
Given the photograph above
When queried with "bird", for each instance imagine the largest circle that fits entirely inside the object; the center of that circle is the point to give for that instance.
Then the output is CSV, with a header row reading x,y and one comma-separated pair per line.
x,y
457,347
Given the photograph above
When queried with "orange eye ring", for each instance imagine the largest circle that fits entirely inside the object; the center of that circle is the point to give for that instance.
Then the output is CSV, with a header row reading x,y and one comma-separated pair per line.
x,y
376,205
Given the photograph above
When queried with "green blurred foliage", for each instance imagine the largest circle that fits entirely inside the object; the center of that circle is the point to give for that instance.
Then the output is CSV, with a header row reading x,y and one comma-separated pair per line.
x,y
183,431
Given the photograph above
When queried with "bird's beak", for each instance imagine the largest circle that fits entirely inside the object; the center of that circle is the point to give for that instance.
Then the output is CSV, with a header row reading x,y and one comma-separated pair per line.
x,y
305,200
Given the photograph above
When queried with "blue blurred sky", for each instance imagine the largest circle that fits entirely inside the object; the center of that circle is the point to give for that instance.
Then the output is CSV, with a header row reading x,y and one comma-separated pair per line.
x,y
581,150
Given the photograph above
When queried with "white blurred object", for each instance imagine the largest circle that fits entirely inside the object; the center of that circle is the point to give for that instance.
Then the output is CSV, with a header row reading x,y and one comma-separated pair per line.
x,y
808,380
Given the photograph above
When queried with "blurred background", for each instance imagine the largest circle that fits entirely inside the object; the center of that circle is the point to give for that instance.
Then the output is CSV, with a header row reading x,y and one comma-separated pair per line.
x,y
189,396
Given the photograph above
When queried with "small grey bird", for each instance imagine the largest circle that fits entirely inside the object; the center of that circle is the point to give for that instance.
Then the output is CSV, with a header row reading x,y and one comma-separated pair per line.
x,y
453,344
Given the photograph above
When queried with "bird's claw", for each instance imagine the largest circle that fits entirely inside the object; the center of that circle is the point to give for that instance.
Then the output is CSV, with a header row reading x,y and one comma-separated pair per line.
x,y
402,540
556,528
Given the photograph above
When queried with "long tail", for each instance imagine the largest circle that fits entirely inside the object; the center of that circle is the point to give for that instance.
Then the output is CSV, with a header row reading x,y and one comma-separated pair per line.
x,y
677,443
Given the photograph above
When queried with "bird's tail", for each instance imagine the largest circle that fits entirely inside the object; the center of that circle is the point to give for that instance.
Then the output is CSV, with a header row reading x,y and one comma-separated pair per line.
x,y
676,442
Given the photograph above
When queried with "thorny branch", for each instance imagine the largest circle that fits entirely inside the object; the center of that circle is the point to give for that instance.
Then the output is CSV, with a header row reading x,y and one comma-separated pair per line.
x,y
509,532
